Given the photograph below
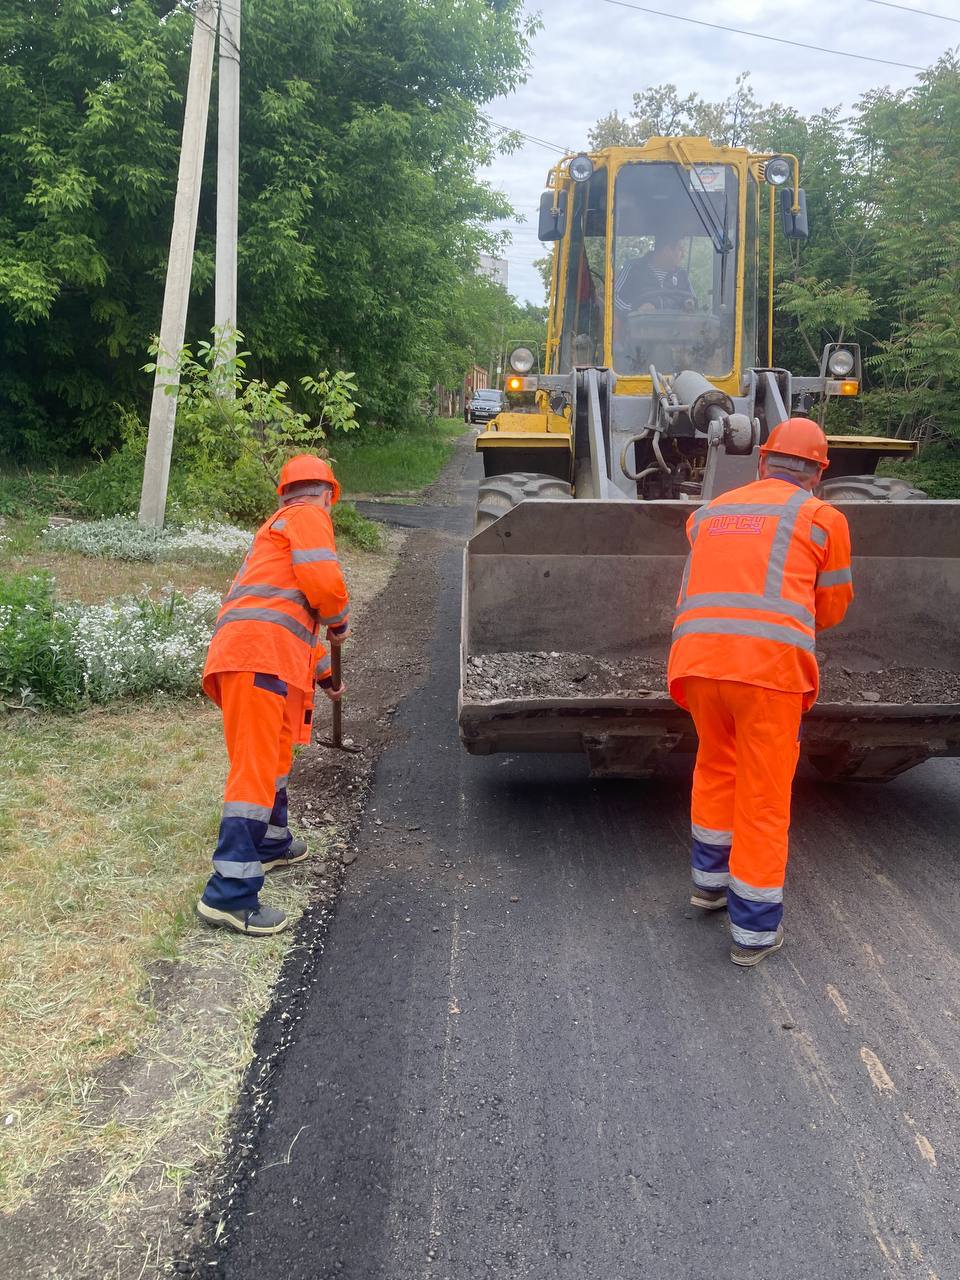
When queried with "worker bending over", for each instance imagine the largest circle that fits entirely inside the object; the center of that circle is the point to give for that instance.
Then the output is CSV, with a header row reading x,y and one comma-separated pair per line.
x,y
769,567
263,661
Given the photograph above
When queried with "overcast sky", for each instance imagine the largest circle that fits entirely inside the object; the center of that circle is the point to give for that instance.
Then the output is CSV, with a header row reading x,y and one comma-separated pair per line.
x,y
591,57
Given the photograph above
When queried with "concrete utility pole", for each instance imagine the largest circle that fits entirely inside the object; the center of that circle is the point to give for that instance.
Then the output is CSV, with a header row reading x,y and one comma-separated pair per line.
x,y
228,171
163,410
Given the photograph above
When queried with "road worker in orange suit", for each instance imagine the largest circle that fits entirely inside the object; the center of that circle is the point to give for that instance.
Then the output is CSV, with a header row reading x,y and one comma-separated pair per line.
x,y
769,567
264,660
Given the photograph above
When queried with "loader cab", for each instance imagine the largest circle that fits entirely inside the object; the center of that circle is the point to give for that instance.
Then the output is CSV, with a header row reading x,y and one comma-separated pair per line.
x,y
675,256
656,263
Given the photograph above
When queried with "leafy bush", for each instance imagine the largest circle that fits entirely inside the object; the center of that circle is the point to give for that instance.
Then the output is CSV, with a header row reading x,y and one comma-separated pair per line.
x,y
38,663
218,405
936,471
232,436
354,529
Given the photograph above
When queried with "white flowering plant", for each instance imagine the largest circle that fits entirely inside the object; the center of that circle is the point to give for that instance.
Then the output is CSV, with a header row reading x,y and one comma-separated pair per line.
x,y
135,645
62,656
122,538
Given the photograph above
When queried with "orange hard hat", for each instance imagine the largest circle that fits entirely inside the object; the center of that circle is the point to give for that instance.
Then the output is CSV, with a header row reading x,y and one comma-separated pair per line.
x,y
307,468
798,438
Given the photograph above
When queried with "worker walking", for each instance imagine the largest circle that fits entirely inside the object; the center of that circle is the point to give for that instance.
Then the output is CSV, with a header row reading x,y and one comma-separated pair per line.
x,y
769,567
264,660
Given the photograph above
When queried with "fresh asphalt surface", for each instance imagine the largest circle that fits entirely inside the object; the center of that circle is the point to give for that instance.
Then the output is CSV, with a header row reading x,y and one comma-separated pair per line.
x,y
525,1056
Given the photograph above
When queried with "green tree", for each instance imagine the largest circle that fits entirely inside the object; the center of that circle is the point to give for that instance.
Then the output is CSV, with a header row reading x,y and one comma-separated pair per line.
x,y
89,123
360,213
914,140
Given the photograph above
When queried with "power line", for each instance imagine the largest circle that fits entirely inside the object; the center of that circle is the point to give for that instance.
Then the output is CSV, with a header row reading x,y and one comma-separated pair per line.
x,y
528,137
756,35
920,13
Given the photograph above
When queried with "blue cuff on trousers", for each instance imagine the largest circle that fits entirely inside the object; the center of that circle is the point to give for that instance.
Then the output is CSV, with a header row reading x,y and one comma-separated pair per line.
x,y
760,918
709,865
275,846
238,874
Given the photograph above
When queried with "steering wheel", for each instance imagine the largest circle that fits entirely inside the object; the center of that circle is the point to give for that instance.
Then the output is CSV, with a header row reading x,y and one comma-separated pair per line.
x,y
678,300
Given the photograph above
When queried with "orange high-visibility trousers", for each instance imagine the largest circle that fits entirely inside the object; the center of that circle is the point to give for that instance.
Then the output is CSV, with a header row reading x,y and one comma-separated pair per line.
x,y
262,719
740,811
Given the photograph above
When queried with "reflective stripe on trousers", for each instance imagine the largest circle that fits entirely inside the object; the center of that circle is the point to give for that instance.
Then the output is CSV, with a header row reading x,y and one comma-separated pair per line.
x,y
261,720
746,759
709,863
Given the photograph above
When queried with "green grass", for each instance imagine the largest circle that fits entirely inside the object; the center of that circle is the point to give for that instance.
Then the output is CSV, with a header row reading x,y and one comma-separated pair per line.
x,y
27,494
382,461
371,461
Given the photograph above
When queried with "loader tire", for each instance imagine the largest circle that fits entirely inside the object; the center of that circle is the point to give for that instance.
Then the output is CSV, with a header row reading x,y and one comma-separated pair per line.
x,y
868,489
500,494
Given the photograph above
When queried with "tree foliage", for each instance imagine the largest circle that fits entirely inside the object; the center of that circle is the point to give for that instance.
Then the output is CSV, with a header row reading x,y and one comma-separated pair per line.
x,y
360,215
217,404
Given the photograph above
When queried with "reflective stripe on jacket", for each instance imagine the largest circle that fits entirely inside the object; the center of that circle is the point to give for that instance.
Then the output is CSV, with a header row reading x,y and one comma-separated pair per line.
x,y
288,587
769,566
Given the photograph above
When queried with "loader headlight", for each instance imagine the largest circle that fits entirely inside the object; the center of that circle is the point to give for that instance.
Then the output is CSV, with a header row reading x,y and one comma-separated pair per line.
x,y
841,362
581,168
777,171
521,360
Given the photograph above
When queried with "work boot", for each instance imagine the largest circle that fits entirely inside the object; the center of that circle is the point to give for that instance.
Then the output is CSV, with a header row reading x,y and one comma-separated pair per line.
x,y
747,957
708,899
297,852
257,921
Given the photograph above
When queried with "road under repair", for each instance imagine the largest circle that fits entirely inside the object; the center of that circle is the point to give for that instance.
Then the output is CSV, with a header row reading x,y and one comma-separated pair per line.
x,y
524,1055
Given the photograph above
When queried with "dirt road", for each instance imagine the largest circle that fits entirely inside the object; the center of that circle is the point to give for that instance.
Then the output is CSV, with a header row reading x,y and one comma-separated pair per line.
x,y
522,1055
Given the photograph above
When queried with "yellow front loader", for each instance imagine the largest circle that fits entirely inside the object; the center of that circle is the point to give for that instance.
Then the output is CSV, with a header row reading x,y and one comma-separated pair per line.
x,y
652,399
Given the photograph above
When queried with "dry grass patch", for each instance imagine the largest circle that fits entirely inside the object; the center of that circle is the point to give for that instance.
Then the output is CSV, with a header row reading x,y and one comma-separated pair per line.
x,y
105,822
124,1027
96,581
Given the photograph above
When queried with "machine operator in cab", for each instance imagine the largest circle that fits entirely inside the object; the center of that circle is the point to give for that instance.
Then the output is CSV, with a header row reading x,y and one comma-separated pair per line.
x,y
657,281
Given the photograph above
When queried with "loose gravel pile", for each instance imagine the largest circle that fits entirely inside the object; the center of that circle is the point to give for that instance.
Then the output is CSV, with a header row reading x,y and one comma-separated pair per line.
x,y
571,675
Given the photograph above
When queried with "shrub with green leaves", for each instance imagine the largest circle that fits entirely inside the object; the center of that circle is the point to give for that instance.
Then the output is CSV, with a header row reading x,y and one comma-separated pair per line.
x,y
39,665
936,471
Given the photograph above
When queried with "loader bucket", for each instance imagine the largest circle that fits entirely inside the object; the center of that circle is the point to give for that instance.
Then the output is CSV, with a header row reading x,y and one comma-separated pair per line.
x,y
601,578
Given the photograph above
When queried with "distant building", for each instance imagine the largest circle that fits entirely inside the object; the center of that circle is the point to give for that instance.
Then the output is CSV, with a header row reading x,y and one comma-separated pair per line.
x,y
494,269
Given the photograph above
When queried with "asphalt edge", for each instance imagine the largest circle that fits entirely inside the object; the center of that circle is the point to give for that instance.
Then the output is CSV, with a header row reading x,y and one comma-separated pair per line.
x,y
204,1246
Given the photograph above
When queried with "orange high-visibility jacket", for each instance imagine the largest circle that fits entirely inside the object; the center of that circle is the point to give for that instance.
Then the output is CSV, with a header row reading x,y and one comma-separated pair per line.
x,y
769,566
287,588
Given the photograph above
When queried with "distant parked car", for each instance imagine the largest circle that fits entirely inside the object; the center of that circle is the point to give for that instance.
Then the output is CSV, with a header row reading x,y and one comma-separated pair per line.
x,y
485,404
